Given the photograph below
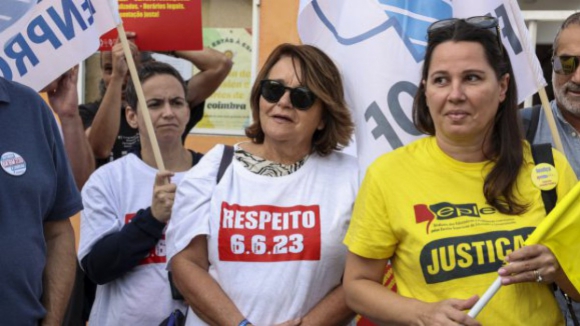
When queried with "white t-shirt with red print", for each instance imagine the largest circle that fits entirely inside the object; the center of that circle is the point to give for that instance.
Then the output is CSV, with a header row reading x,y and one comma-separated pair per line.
x,y
274,243
111,197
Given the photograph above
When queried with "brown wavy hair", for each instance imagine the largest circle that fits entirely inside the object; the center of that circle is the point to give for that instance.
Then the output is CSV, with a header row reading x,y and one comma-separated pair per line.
x,y
321,76
505,136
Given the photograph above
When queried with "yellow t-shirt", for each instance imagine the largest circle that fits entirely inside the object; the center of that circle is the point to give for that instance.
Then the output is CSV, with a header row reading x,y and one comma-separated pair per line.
x,y
426,211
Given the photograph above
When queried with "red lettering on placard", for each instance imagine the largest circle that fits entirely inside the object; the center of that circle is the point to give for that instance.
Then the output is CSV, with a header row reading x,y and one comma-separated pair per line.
x,y
266,233
157,254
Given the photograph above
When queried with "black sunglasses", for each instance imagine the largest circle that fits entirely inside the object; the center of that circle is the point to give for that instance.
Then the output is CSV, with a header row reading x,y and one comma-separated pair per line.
x,y
301,97
565,64
484,22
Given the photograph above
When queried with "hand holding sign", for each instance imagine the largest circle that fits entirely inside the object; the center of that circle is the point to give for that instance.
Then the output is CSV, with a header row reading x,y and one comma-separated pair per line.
x,y
62,94
120,68
163,196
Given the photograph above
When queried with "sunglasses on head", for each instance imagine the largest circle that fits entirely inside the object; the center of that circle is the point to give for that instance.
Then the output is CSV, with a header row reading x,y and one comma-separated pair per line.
x,y
301,97
565,64
483,22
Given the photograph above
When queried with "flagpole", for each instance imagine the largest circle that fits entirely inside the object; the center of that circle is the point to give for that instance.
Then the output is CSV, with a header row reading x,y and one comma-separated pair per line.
x,y
142,108
551,120
515,10
485,298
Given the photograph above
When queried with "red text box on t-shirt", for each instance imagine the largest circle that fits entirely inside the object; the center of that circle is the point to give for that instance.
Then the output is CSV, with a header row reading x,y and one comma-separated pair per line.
x,y
266,233
157,254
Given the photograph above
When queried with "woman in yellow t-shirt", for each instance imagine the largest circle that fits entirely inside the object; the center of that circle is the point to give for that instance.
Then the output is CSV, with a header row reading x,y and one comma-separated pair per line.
x,y
448,209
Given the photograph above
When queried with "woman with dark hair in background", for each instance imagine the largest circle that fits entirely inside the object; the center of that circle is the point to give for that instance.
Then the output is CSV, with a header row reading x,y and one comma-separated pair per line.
x,y
128,204
448,209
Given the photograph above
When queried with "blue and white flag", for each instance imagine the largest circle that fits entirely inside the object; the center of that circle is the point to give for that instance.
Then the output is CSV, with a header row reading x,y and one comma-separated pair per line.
x,y
13,11
515,37
40,41
379,46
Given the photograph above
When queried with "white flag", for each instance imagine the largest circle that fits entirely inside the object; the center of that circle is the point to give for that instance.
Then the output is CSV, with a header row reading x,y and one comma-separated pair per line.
x,y
114,7
13,12
379,47
50,37
515,38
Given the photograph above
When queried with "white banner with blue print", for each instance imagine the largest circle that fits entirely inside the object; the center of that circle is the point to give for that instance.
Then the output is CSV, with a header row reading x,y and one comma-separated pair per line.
x,y
379,47
515,38
42,41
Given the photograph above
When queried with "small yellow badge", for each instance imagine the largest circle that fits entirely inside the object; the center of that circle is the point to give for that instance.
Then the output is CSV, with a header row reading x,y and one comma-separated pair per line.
x,y
545,176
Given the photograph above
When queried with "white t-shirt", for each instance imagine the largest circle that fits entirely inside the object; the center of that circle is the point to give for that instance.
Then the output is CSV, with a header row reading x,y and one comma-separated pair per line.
x,y
274,243
111,197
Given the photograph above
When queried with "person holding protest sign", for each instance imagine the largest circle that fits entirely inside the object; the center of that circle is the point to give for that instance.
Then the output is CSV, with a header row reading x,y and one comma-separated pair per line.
x,y
128,204
263,245
566,110
38,197
110,125
109,134
447,210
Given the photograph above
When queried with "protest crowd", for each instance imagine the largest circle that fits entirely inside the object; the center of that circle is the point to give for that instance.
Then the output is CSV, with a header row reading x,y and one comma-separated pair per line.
x,y
473,222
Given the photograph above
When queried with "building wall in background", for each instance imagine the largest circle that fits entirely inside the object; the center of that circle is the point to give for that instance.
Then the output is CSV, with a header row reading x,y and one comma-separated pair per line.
x,y
277,25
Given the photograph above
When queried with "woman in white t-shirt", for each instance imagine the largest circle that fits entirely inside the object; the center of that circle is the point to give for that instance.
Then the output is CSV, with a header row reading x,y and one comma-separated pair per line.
x,y
263,245
127,204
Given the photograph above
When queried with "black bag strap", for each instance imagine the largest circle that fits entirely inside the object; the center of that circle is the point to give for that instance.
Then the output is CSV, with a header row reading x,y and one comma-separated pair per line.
x,y
542,153
225,162
195,157
571,309
531,118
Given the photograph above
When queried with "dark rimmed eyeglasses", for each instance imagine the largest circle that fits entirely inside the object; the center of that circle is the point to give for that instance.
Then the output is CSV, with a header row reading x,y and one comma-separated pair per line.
x,y
484,22
301,97
565,64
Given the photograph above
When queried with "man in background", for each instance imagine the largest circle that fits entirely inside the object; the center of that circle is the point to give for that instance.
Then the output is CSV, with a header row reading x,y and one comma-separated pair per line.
x,y
109,134
38,196
566,110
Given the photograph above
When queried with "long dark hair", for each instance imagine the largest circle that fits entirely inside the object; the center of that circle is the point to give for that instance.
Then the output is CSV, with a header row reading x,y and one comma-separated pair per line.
x,y
506,149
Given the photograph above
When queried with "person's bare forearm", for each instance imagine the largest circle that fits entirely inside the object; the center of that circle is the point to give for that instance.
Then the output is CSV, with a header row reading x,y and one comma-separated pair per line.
x,y
64,100
214,67
204,294
205,59
78,149
564,283
331,310
200,290
59,272
105,126
377,303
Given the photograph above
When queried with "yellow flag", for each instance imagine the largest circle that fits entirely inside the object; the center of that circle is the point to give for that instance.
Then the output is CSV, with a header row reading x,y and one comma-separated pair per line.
x,y
560,231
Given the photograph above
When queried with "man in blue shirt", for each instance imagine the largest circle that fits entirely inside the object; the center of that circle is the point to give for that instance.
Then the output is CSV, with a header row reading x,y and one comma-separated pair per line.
x,y
565,107
37,196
